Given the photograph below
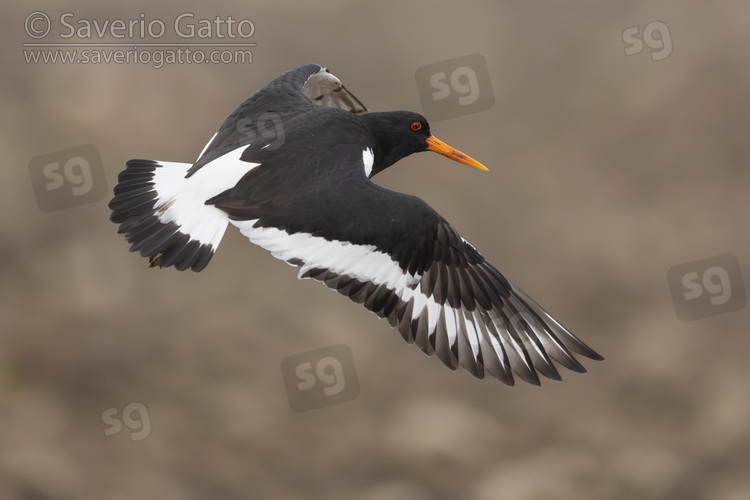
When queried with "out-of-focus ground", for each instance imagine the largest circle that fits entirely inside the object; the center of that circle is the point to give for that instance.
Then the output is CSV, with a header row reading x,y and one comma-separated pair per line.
x,y
606,170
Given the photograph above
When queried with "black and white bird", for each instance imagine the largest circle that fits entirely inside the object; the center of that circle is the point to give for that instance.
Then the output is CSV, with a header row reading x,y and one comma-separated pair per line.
x,y
291,168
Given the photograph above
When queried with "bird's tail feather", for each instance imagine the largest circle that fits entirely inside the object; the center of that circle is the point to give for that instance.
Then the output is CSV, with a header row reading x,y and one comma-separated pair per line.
x,y
164,216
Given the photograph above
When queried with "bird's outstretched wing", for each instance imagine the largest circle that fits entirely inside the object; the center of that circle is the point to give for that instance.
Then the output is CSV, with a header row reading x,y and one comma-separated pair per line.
x,y
461,308
400,259
262,116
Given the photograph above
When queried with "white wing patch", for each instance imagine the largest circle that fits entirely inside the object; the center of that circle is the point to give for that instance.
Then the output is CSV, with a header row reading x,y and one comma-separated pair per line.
x,y
362,262
206,146
368,158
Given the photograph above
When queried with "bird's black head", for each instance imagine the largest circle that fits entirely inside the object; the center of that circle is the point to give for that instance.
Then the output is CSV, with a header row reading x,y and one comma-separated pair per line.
x,y
399,134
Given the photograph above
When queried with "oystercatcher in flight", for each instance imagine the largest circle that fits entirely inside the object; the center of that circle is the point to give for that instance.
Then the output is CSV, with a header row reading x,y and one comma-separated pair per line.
x,y
291,168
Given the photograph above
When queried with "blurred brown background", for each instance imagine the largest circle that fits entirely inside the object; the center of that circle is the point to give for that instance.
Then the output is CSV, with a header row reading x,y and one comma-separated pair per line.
x,y
606,170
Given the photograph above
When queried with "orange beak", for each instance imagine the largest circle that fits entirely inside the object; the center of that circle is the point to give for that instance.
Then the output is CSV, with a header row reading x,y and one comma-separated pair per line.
x,y
438,146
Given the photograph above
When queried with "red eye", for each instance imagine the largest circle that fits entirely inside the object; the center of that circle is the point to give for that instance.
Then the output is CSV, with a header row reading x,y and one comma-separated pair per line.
x,y
416,125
